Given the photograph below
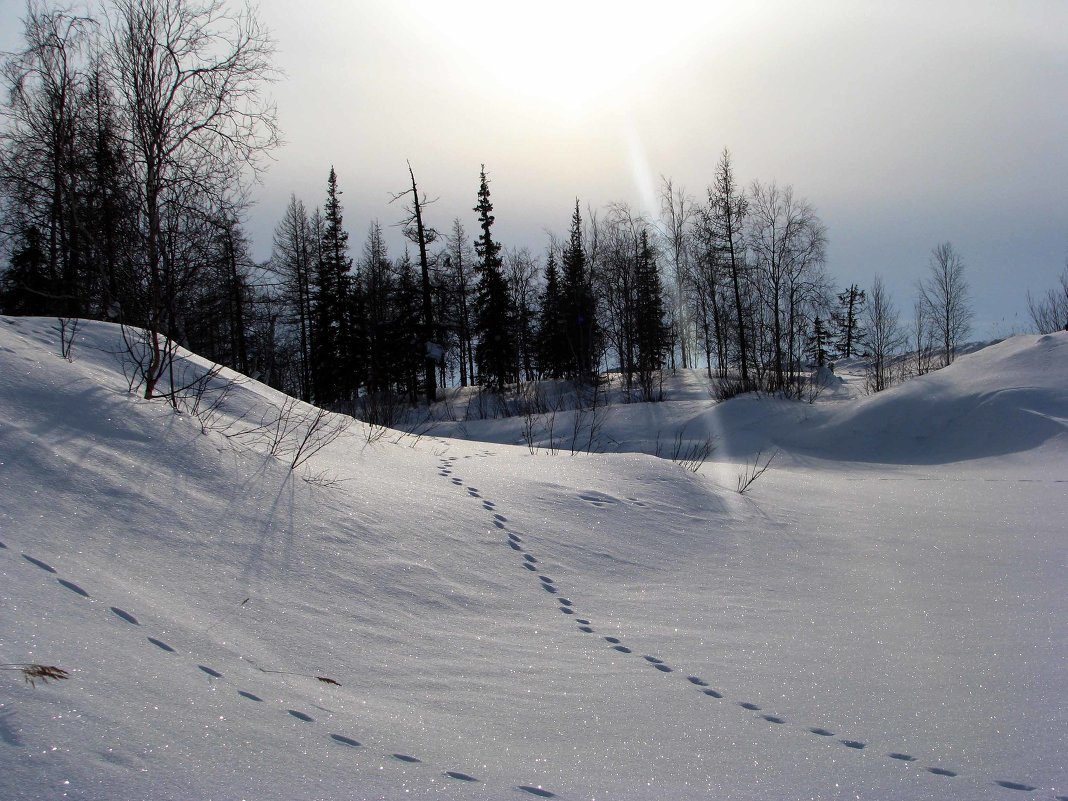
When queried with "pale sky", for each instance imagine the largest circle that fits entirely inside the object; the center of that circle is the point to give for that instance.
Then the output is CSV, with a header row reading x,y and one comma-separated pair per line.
x,y
905,124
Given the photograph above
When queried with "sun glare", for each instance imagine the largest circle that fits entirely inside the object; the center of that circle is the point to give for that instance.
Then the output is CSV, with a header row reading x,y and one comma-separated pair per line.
x,y
565,55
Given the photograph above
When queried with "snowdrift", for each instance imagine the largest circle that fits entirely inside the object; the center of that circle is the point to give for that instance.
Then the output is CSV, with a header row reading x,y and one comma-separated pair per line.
x,y
1008,398
427,617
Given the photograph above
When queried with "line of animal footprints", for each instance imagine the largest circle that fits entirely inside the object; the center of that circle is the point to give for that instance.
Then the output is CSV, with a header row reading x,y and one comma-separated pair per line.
x,y
341,739
567,607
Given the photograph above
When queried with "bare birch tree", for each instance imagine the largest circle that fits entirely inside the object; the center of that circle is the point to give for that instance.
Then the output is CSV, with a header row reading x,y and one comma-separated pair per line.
x,y
944,295
190,78
676,213
884,335
1049,312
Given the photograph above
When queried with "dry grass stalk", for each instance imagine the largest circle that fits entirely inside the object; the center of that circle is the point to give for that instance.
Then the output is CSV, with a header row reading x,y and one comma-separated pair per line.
x,y
33,672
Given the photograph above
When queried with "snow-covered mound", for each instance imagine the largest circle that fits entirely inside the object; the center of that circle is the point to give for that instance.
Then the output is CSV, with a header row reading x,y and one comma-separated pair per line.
x,y
1003,399
1007,398
407,617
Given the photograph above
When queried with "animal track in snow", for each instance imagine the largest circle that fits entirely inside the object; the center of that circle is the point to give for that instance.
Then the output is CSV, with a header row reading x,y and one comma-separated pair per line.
x,y
3,547
597,499
584,625
39,563
455,774
122,613
161,645
301,716
405,758
341,738
210,671
902,757
538,791
70,585
250,696
1026,788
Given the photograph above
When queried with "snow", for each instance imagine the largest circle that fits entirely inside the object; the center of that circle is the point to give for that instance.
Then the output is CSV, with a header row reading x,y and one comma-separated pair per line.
x,y
896,578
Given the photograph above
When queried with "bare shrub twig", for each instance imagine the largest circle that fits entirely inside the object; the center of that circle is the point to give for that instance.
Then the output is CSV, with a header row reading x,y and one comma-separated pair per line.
x,y
753,471
68,327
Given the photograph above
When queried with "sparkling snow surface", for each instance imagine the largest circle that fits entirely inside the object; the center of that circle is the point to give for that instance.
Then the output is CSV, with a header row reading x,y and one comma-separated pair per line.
x,y
884,615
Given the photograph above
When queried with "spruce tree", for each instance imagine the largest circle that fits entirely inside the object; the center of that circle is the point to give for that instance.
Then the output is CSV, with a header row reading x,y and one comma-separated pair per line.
x,y
847,321
330,356
26,282
408,349
579,307
553,348
460,273
651,334
378,285
817,343
493,317
354,345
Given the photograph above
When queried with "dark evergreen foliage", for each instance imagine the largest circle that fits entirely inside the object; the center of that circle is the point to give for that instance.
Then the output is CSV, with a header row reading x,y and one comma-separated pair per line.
x,y
25,288
331,360
579,307
850,339
494,320
98,221
406,348
554,350
652,331
818,343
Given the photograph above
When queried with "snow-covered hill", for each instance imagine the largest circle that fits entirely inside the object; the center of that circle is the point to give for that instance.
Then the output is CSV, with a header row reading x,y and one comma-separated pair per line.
x,y
882,616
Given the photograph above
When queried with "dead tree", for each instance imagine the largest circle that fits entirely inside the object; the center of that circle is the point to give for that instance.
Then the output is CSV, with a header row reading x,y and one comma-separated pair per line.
x,y
421,235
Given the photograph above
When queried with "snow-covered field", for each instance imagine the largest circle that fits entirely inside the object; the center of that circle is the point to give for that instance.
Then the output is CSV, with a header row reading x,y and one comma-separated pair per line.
x,y
883,615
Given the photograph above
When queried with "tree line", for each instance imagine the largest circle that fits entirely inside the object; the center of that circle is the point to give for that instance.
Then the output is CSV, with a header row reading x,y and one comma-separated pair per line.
x,y
130,141
130,144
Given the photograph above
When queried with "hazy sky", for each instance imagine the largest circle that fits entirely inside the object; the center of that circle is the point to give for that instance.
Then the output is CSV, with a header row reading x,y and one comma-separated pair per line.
x,y
906,124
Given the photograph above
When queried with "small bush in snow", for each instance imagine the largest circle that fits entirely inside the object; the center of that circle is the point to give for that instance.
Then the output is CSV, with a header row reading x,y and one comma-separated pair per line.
x,y
753,471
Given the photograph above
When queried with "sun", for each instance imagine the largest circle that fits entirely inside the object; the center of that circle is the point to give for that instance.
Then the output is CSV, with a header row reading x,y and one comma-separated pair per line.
x,y
570,55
